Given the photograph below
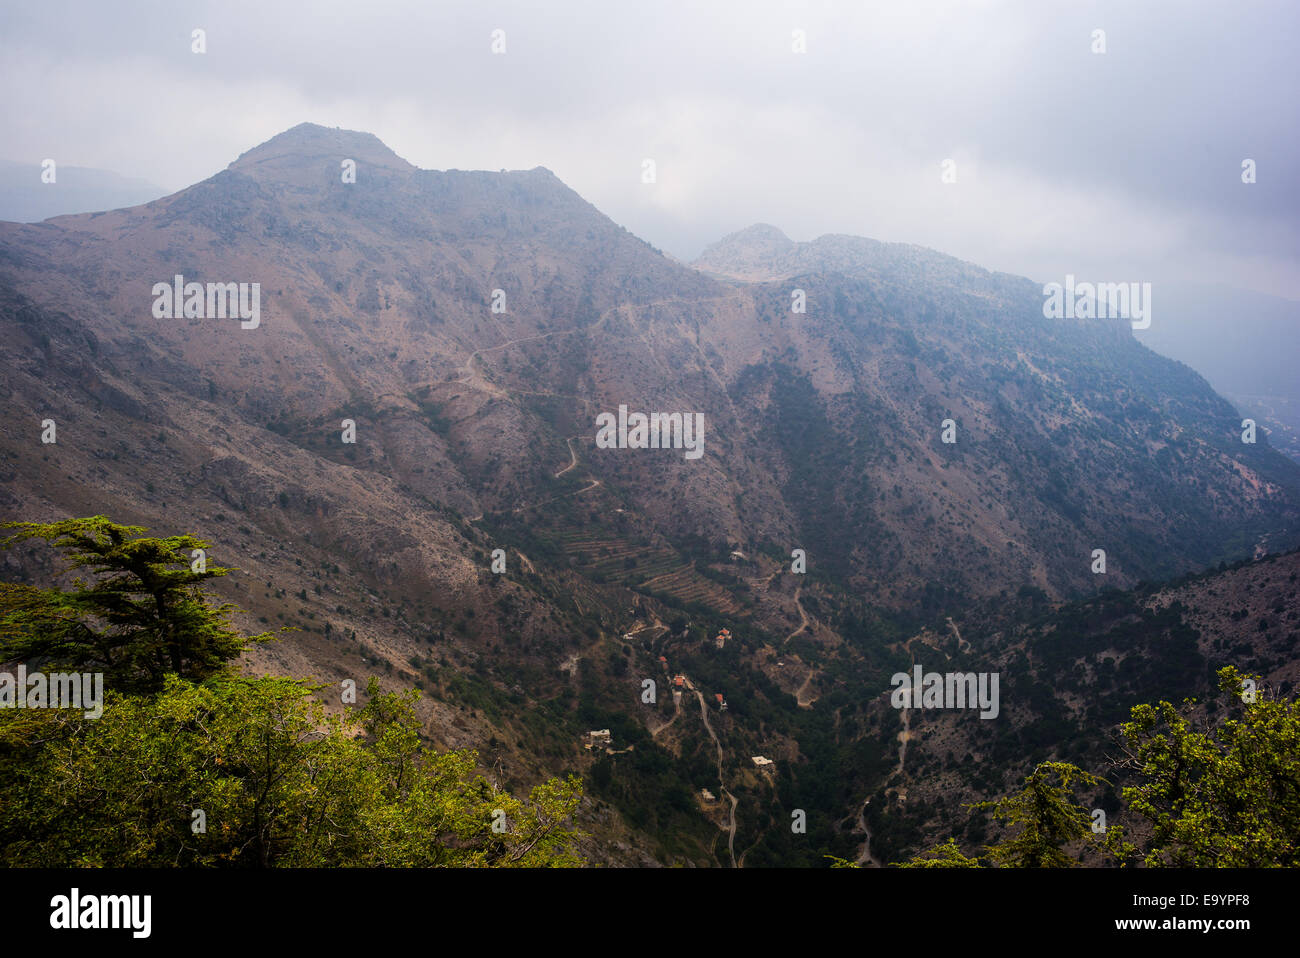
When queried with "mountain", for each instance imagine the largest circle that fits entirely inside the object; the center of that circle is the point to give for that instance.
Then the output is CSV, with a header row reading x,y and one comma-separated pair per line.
x,y
1245,344
26,198
763,252
1070,675
471,327
1242,342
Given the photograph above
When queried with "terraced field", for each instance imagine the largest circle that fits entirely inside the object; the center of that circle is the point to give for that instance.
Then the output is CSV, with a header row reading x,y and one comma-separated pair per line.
x,y
645,567
687,585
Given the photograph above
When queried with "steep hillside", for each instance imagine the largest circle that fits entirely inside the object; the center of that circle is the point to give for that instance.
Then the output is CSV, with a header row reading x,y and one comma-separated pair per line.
x,y
471,327
1069,676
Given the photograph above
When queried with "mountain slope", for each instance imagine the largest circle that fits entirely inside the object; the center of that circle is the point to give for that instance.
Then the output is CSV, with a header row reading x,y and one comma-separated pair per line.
x,y
475,431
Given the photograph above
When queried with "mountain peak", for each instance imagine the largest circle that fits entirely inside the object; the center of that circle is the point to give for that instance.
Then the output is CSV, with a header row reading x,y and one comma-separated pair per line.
x,y
310,141
747,254
759,233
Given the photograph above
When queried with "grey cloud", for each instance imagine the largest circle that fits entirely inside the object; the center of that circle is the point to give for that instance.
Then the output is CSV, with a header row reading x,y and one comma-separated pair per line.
x,y
1139,149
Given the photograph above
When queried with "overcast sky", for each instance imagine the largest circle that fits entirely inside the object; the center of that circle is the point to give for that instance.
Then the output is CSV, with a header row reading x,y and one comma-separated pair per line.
x,y
1117,166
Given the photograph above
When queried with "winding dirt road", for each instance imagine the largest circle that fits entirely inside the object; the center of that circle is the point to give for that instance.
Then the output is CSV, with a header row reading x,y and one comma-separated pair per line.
x,y
804,622
865,856
594,484
803,616
957,632
904,736
573,461
731,825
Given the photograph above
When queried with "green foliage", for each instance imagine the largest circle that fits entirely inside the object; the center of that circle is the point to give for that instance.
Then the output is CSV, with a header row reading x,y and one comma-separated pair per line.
x,y
1219,797
1046,816
1045,820
138,620
192,765
1225,796
280,784
947,855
